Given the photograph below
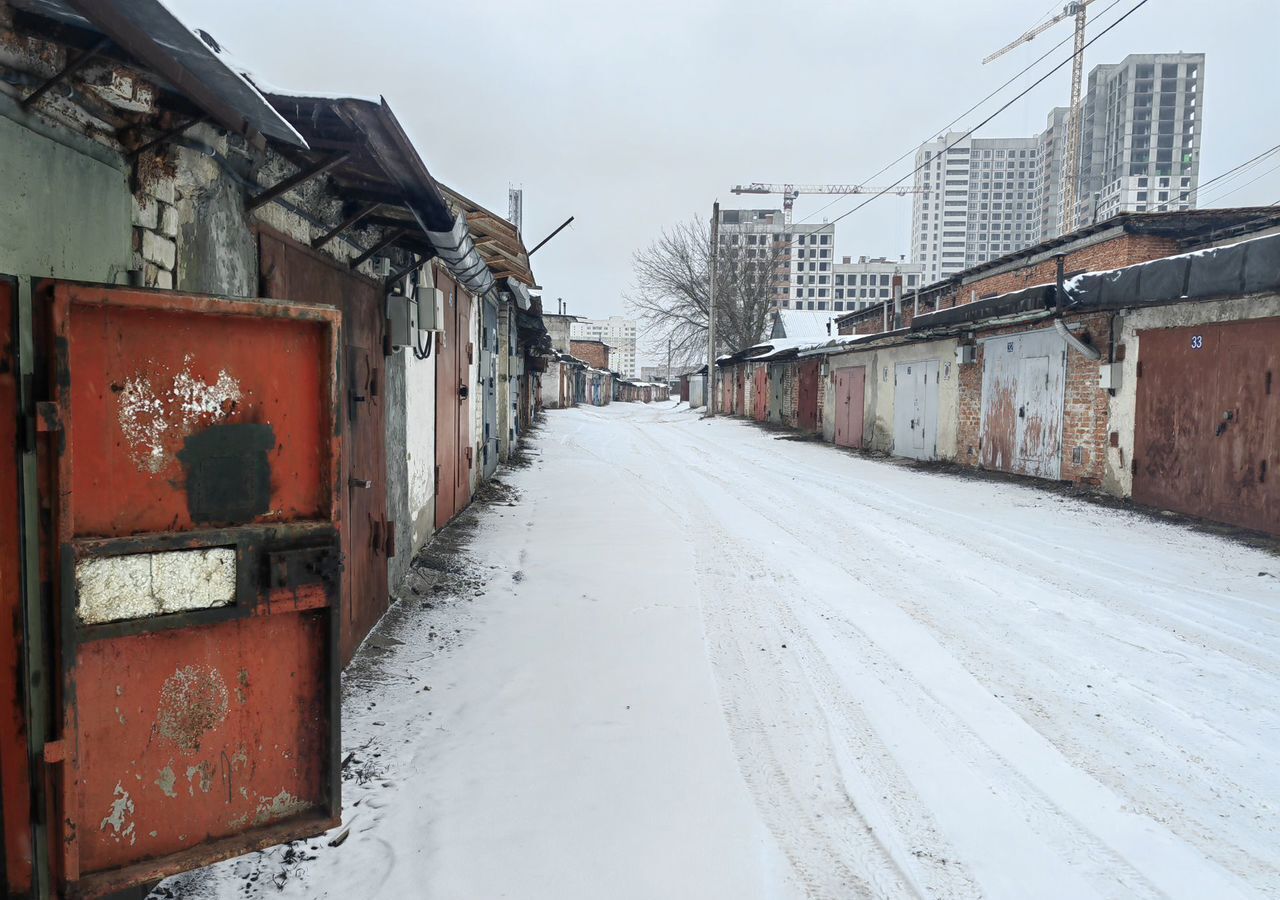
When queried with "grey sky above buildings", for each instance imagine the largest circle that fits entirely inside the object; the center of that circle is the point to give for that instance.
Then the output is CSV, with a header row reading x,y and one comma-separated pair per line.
x,y
633,117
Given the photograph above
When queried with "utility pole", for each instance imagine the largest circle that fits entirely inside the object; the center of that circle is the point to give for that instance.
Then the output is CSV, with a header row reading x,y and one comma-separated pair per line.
x,y
667,376
711,313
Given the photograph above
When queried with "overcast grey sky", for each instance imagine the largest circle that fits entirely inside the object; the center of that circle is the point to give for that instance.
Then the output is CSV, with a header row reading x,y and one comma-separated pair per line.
x,y
633,116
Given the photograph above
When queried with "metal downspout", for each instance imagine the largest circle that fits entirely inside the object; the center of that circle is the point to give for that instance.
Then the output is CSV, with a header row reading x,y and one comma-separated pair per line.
x,y
1059,293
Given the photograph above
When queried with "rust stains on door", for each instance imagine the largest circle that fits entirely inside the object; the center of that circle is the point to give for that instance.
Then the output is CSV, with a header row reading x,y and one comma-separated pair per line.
x,y
453,426
850,386
1207,422
760,378
195,555
291,271
809,372
1023,395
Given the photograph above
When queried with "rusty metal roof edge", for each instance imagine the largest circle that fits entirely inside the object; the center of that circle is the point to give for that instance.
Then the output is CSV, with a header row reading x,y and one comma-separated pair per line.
x,y
128,31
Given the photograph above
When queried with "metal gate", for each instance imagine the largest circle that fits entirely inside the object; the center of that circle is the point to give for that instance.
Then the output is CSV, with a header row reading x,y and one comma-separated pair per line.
x,y
1207,422
291,271
761,398
915,409
810,374
850,401
740,395
777,392
191,446
1023,394
453,426
489,383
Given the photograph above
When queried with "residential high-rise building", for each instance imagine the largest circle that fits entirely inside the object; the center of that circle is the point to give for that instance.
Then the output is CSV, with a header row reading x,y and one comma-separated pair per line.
x,y
976,199
811,266
1140,149
1051,159
870,281
618,333
758,233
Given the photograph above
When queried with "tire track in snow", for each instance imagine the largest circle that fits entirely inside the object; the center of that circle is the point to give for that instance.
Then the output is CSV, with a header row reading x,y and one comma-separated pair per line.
x,y
1070,834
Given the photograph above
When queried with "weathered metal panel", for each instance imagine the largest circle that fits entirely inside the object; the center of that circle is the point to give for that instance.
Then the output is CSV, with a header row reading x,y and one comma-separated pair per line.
x,y
1207,422
777,393
1023,393
915,409
761,399
453,428
850,405
489,384
199,726
740,394
291,271
15,775
809,371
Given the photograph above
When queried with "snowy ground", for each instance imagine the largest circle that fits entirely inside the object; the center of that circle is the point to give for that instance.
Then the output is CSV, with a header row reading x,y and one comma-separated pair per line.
x,y
695,660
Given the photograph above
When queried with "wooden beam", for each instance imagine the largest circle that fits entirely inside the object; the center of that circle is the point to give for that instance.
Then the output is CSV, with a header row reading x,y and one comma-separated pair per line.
x,y
387,241
294,180
342,226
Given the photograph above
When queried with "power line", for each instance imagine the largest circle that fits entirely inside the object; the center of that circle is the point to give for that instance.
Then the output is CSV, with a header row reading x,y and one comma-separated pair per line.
x,y
1069,38
1029,89
1227,175
1241,187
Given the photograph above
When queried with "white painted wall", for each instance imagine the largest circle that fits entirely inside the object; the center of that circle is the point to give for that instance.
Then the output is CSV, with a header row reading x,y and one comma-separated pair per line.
x,y
420,440
878,405
1122,408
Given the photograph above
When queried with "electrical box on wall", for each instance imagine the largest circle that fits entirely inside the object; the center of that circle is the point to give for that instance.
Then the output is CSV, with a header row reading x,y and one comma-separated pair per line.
x,y
430,307
1109,376
966,354
402,320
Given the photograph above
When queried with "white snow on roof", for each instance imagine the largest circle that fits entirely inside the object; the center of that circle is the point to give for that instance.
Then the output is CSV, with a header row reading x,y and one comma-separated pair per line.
x,y
807,323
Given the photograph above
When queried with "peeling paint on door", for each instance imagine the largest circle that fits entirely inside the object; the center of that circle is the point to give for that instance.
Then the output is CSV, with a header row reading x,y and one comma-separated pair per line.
x,y
121,809
153,420
193,702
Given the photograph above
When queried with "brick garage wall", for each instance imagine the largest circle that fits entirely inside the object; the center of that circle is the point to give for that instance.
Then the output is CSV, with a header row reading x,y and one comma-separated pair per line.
x,y
593,353
790,394
1125,250
1085,405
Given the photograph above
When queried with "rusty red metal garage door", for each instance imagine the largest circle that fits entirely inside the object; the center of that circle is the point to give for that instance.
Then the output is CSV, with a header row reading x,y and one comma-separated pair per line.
x,y
850,384
761,391
810,371
194,458
15,775
291,271
1207,423
453,426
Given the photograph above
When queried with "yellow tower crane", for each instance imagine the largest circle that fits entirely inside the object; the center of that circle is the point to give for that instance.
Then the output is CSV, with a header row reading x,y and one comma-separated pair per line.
x,y
1071,175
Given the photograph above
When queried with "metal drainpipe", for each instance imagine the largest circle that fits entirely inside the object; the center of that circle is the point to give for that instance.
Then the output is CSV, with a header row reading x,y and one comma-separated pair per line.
x,y
1059,292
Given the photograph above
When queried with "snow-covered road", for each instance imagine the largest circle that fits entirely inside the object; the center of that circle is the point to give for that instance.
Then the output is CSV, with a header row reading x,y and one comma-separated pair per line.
x,y
708,662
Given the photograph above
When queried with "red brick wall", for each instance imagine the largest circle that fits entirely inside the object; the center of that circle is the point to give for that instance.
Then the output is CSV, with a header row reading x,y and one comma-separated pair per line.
x,y
1125,250
1084,415
593,353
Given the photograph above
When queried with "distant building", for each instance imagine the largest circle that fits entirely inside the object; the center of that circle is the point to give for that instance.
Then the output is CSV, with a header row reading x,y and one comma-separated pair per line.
x,y
1140,150
757,233
558,327
592,352
812,266
977,199
869,281
618,333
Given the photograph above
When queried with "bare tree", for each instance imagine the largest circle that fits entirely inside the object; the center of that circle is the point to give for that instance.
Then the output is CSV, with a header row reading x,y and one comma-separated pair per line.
x,y
672,285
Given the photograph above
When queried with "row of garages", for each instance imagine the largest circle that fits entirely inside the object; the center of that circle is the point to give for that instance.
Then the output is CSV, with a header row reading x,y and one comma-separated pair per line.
x,y
253,355
1156,381
568,381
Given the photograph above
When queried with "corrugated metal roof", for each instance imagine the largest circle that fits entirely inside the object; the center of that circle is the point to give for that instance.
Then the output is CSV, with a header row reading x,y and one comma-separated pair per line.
x,y
190,63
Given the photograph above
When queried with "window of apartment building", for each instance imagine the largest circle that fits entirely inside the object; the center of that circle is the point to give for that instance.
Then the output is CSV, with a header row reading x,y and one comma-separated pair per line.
x,y
839,293
824,239
838,306
824,254
822,292
822,304
823,279
839,279
812,292
884,292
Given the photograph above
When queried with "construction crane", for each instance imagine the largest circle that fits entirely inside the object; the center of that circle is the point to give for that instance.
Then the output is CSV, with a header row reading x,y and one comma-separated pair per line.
x,y
1071,178
790,192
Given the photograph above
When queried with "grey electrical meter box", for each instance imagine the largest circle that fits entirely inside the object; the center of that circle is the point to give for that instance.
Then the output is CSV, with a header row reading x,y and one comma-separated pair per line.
x,y
402,320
